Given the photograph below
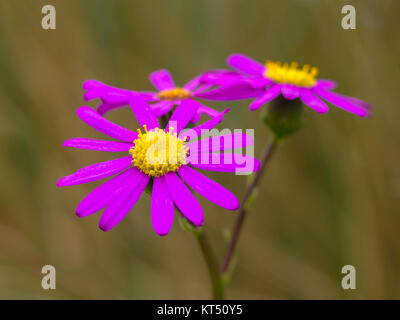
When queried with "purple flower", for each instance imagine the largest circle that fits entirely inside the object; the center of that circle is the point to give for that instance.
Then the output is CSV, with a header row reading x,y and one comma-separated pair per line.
x,y
162,101
169,166
267,82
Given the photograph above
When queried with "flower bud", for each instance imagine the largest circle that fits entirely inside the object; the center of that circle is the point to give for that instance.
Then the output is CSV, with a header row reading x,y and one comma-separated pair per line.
x,y
282,116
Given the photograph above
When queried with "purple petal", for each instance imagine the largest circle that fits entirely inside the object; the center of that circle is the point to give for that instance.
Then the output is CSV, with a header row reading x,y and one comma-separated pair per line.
x,y
92,84
108,94
121,96
92,94
183,114
101,145
184,199
235,91
206,110
119,208
245,64
290,92
209,189
260,82
227,162
192,84
341,102
226,77
270,94
143,113
105,107
95,120
222,142
161,108
356,101
162,80
202,88
313,101
222,77
96,171
326,84
103,195
197,131
150,96
116,96
162,207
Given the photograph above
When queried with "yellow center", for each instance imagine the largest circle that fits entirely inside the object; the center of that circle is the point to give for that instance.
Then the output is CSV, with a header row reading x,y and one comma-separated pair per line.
x,y
157,152
174,94
291,74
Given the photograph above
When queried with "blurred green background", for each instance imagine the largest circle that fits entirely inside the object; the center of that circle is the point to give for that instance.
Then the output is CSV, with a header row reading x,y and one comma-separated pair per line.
x,y
331,195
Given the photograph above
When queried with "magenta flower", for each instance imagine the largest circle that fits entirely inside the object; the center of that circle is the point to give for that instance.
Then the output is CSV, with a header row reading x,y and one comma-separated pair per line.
x,y
267,82
162,157
162,101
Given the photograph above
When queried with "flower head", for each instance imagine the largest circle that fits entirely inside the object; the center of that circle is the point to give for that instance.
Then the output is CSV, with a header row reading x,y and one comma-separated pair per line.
x,y
291,74
163,156
169,152
267,82
167,96
174,94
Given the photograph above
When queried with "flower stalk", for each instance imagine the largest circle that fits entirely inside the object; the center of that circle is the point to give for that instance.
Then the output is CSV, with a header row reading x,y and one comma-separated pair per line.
x,y
212,266
252,188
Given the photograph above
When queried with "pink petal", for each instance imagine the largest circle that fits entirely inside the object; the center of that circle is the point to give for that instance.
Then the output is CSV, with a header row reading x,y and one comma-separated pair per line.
x,y
162,79
326,84
222,77
162,207
341,102
183,114
209,189
92,84
192,84
245,64
234,91
96,171
313,101
101,145
117,96
161,108
270,94
105,107
92,94
96,121
206,110
290,92
103,195
361,103
222,142
119,208
197,131
184,199
227,162
143,113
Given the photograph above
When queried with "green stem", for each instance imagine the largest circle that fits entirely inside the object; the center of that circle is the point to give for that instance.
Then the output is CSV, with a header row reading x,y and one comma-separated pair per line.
x,y
268,151
212,266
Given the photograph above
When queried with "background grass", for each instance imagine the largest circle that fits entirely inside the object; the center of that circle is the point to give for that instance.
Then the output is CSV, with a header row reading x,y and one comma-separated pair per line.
x,y
331,195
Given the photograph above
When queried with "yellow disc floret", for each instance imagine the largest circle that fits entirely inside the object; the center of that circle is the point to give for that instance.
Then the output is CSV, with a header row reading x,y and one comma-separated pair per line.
x,y
174,94
291,74
157,152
